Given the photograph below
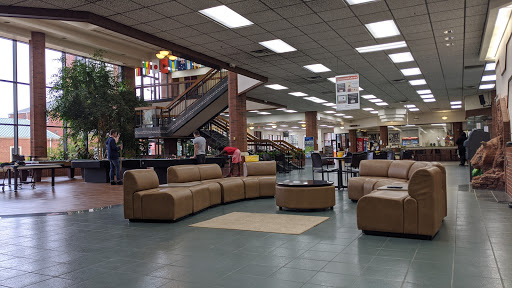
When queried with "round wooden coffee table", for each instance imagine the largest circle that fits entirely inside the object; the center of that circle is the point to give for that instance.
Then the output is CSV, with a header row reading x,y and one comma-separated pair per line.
x,y
305,194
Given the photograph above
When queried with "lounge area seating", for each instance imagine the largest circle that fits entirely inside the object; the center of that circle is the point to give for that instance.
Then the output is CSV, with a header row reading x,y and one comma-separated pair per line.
x,y
400,197
192,188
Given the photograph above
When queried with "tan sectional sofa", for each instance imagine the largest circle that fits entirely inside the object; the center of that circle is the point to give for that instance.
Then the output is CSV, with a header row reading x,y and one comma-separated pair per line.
x,y
418,208
192,188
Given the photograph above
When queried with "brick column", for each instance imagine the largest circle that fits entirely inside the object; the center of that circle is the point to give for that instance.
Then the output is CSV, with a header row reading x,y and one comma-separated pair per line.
x,y
457,130
508,170
237,114
170,147
353,141
37,95
312,127
128,75
383,136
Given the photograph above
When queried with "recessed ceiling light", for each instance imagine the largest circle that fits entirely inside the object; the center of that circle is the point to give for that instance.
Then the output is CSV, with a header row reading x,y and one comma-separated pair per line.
x,y
367,109
427,96
330,112
355,2
401,57
339,114
409,106
254,111
295,127
278,46
381,47
290,111
414,109
375,100
411,71
449,44
449,38
281,109
264,113
298,94
456,106
283,125
315,99
448,32
489,78
374,112
348,116
302,122
429,100
276,87
418,82
225,16
268,128
490,66
369,96
323,125
456,102
329,104
382,104
486,86
317,68
425,91
383,29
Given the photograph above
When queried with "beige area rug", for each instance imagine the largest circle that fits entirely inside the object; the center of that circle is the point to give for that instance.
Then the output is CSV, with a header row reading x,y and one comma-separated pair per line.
x,y
260,222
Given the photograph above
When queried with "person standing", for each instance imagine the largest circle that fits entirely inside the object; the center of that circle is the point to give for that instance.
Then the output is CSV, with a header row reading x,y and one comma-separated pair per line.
x,y
113,157
462,149
236,158
199,148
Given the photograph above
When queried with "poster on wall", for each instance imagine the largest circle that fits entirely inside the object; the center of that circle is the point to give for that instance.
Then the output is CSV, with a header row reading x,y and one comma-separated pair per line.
x,y
347,92
309,146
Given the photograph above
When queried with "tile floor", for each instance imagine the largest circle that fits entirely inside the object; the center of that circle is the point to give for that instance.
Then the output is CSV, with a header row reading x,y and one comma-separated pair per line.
x,y
101,249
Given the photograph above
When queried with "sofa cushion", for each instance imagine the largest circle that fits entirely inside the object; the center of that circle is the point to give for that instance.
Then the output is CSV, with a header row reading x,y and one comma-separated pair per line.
x,y
183,173
267,186
382,211
377,168
418,165
174,185
136,180
164,204
232,189
252,187
260,168
400,169
200,197
209,171
356,186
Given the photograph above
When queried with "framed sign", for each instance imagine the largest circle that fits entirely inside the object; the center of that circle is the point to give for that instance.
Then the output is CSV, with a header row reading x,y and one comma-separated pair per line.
x,y
347,92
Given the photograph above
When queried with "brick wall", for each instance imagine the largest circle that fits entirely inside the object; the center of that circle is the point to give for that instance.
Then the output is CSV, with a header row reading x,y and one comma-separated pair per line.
x,y
352,138
312,127
383,136
237,114
37,95
24,143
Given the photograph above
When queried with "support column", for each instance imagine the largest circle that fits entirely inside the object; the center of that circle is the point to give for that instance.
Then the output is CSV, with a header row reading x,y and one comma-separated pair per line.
x,y
311,127
170,147
37,95
457,130
237,114
128,75
383,136
353,141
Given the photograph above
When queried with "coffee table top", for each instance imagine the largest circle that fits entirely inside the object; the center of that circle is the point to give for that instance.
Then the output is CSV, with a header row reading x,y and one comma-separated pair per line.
x,y
304,183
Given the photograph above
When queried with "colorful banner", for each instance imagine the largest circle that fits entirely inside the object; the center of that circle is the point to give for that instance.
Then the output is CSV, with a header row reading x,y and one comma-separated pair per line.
x,y
347,92
309,146
165,66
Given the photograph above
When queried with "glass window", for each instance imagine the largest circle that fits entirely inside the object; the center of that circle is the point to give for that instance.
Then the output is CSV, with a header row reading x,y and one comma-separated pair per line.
x,y
23,62
6,59
7,99
53,64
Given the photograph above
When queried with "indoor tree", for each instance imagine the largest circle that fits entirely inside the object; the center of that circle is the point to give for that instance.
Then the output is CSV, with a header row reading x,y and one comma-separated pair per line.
x,y
91,98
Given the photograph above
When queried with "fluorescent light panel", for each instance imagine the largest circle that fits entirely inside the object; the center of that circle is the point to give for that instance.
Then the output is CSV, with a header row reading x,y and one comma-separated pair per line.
x,y
278,46
315,99
367,109
499,29
456,102
409,106
489,78
329,104
375,100
382,104
411,71
369,96
425,91
401,57
355,2
414,109
429,100
456,106
427,96
417,82
339,114
317,68
330,112
225,16
264,113
298,94
486,86
348,116
381,47
374,112
490,66
383,29
276,87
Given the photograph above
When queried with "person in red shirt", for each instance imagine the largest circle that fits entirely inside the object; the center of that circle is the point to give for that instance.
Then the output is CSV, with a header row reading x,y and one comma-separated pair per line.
x,y
236,158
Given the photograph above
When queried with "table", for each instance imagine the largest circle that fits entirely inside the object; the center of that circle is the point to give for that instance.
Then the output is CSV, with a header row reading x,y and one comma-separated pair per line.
x,y
15,169
305,194
340,170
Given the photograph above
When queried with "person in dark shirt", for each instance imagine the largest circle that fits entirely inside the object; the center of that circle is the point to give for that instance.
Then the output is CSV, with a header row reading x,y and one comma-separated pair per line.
x,y
462,149
113,157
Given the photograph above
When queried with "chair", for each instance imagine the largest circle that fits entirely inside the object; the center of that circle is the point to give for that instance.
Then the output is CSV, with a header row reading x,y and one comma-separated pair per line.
x,y
371,155
390,155
318,166
353,169
405,154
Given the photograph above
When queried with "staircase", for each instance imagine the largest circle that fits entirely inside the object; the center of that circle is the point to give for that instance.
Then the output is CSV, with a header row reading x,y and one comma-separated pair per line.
x,y
202,101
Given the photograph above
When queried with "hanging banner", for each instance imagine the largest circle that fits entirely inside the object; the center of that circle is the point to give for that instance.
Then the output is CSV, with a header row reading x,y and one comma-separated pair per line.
x,y
309,146
347,92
